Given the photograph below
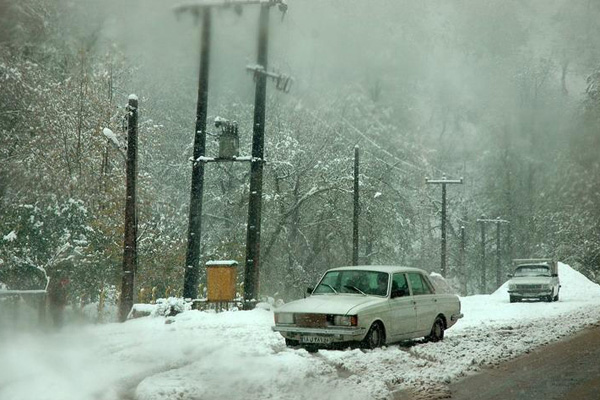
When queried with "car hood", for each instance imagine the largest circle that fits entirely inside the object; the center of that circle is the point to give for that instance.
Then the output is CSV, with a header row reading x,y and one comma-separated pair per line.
x,y
340,304
531,280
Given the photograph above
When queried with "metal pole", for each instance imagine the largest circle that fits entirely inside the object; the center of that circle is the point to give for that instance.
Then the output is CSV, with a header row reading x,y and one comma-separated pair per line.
x,y
483,278
444,230
443,182
251,272
463,268
498,272
356,209
496,221
509,243
130,237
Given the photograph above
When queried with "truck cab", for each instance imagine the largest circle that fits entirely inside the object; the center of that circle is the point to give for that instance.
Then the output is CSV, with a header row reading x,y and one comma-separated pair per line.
x,y
534,279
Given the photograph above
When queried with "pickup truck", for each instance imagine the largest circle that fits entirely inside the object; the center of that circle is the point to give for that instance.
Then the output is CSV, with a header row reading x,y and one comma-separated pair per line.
x,y
535,278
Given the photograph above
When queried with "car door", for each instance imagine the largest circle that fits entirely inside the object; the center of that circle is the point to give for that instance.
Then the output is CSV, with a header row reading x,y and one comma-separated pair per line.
x,y
425,301
402,307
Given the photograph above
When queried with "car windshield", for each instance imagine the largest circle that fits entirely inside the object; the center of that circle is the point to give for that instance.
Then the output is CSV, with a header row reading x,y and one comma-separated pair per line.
x,y
357,282
533,270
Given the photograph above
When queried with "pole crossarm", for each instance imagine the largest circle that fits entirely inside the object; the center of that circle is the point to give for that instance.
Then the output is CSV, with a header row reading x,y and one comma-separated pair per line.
x,y
222,159
494,221
202,4
443,181
282,82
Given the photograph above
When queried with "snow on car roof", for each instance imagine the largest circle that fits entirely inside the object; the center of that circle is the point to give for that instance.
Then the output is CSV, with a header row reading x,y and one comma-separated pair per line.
x,y
380,268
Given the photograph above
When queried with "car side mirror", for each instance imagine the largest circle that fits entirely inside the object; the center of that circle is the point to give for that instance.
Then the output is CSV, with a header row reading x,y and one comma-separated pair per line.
x,y
555,275
510,275
398,293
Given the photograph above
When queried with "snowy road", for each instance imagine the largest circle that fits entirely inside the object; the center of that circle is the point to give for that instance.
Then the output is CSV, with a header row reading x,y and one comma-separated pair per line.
x,y
565,370
235,355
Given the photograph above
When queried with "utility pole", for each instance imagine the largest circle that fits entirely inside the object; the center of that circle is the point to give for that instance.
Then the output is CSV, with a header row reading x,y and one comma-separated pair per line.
x,y
356,209
251,271
496,221
463,268
443,182
252,265
192,258
130,237
254,208
483,266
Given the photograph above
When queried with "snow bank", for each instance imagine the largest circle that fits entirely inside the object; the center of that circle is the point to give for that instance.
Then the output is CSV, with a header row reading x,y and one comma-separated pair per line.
x,y
235,355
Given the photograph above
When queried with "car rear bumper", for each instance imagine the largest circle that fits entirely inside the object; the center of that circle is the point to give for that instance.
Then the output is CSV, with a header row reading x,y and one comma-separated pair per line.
x,y
456,317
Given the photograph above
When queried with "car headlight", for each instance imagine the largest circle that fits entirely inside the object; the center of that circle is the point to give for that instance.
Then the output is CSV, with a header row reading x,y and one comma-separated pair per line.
x,y
345,320
284,318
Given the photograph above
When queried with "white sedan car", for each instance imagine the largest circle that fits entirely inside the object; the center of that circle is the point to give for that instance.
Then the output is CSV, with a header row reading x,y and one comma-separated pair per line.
x,y
367,306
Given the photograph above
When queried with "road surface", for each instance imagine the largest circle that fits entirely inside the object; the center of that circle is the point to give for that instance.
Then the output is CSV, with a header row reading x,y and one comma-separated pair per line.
x,y
566,370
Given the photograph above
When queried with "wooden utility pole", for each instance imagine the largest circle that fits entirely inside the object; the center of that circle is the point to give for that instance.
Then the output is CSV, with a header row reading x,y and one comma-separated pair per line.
x,y
496,221
130,240
192,259
356,209
251,271
443,182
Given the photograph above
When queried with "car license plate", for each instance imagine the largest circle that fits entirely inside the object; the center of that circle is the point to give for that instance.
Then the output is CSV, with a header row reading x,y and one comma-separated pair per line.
x,y
315,339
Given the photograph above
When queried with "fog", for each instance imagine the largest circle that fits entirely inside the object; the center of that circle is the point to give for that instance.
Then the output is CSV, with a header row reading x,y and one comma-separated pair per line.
x,y
502,93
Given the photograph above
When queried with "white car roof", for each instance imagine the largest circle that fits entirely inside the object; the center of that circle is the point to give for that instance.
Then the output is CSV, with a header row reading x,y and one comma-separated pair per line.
x,y
380,268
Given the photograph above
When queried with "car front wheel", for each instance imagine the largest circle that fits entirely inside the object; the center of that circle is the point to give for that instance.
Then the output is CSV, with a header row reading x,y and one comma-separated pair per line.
x,y
375,337
437,331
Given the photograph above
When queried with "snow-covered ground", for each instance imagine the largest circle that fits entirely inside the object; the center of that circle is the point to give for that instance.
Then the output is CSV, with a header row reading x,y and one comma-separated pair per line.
x,y
235,355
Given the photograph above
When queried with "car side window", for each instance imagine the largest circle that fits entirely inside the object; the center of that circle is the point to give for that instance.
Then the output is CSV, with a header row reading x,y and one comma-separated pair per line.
x,y
399,286
418,284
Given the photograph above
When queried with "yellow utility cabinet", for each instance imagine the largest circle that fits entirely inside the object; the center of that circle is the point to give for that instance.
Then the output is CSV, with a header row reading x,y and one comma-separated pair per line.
x,y
220,280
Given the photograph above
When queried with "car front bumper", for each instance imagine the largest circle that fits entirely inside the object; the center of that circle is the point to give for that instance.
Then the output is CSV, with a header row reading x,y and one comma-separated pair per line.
x,y
328,335
531,295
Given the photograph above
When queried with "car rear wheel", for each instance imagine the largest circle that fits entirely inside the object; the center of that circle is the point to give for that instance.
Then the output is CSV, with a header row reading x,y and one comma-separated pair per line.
x,y
556,297
375,337
437,331
291,342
